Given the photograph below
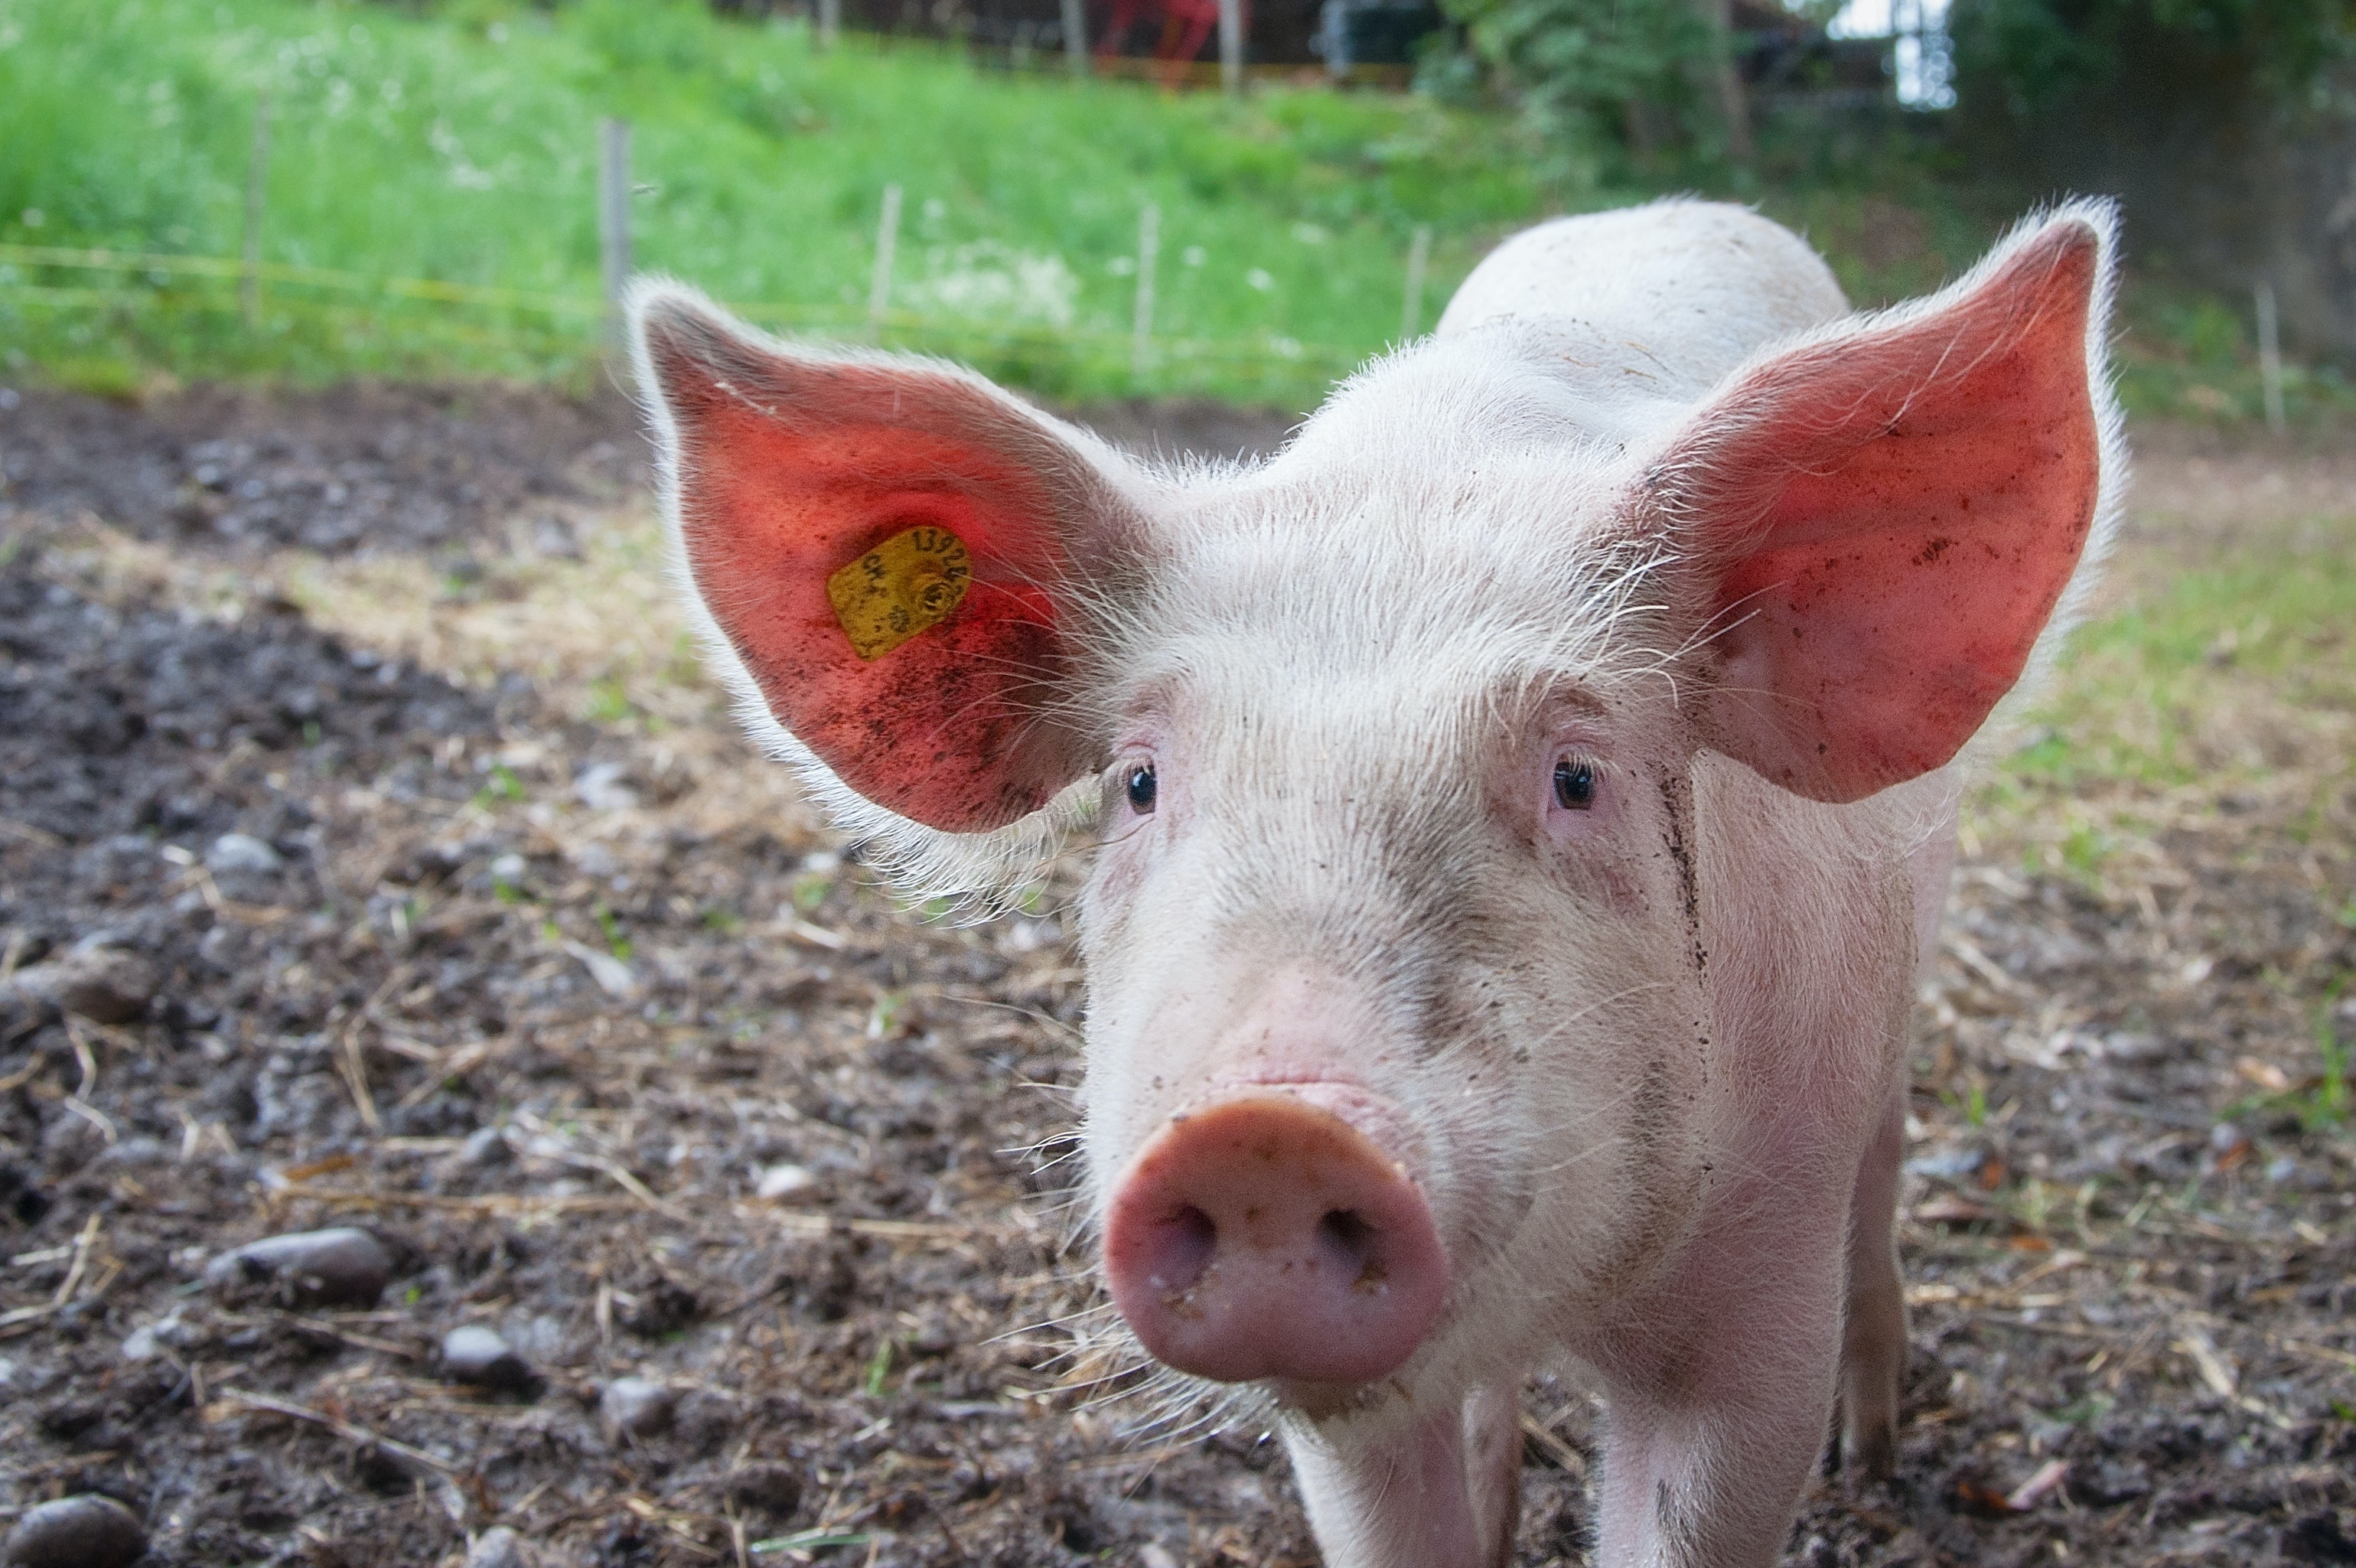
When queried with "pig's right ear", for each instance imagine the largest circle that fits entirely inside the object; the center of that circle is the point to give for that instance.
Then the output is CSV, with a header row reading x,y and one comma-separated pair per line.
x,y
897,553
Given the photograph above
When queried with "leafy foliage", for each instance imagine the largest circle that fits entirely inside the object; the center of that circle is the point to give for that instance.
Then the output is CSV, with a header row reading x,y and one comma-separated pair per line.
x,y
1599,71
2029,58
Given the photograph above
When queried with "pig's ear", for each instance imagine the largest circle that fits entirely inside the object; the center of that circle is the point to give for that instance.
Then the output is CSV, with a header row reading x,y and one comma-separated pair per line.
x,y
895,552
1885,516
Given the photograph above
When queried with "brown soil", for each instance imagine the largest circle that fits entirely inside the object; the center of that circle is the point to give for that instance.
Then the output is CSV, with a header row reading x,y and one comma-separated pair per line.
x,y
525,880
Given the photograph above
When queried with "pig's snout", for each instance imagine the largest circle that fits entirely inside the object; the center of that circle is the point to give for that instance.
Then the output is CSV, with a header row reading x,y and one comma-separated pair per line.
x,y
1262,1237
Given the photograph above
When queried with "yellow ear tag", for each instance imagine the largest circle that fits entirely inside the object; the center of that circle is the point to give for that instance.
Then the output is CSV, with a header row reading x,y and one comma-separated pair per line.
x,y
905,585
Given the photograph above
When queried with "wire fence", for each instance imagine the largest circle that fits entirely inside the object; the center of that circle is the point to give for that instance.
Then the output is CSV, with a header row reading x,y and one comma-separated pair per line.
x,y
244,312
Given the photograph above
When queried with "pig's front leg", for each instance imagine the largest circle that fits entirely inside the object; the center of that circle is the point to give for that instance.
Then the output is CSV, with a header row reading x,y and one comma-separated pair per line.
x,y
1442,1489
1715,1409
1873,1352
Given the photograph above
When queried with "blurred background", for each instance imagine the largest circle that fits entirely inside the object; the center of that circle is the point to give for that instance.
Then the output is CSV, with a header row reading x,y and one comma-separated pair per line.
x,y
1100,198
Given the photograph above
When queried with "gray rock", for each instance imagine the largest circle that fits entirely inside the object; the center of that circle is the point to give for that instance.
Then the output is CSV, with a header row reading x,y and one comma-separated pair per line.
x,y
600,787
485,1146
106,985
637,1407
781,1182
87,1531
151,1340
473,1354
343,1267
499,1547
243,851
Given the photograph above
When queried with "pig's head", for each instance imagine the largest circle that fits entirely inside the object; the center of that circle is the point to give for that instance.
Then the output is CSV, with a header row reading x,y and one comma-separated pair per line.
x,y
1388,749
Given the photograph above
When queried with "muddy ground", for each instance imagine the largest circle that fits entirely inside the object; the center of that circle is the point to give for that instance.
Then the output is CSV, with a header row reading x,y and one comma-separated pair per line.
x,y
353,766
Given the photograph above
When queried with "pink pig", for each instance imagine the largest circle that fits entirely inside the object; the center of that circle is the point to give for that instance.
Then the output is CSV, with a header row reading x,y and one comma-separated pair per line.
x,y
1517,809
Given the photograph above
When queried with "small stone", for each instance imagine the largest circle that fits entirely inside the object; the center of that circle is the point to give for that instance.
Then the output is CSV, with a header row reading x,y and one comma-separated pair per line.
x,y
342,1267
106,985
485,1146
150,1340
510,869
600,787
233,853
768,1487
497,1547
786,1181
473,1354
87,1531
1948,1164
637,1407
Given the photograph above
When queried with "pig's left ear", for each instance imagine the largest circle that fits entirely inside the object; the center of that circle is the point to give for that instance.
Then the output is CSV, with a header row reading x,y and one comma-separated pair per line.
x,y
899,556
1884,519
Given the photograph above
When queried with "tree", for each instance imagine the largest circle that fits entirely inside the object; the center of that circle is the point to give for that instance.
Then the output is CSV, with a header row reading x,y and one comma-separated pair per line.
x,y
2228,126
1646,74
2028,59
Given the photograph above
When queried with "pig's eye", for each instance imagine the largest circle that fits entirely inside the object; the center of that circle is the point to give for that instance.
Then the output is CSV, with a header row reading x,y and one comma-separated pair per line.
x,y
1574,784
1141,790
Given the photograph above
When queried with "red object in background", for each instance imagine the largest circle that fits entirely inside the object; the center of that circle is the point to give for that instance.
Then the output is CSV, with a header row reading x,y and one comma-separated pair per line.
x,y
1186,27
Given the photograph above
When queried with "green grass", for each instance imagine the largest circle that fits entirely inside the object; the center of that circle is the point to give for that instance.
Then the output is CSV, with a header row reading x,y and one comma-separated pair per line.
x,y
2264,624
463,148
2193,356
457,144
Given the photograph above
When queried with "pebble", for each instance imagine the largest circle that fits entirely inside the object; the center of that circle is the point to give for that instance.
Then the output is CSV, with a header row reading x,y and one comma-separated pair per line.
x,y
599,787
786,1181
473,1354
485,1146
87,1531
243,851
772,1488
150,1340
637,1407
343,1267
1948,1164
106,985
497,1547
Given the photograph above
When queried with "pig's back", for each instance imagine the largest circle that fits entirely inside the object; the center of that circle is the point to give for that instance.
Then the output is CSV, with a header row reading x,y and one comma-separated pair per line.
x,y
1678,292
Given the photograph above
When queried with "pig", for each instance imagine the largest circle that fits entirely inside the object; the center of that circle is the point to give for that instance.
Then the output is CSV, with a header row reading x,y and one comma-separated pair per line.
x,y
1515,814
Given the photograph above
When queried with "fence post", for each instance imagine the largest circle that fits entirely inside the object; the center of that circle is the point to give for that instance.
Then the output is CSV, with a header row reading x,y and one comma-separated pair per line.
x,y
829,23
1076,36
257,170
887,238
2270,376
1231,46
1418,258
613,224
1148,249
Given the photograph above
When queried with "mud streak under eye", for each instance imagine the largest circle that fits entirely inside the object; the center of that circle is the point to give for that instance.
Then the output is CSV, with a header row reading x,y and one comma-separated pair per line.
x,y
1676,799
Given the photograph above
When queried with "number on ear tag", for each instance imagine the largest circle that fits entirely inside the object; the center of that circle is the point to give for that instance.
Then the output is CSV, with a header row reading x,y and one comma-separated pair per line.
x,y
908,584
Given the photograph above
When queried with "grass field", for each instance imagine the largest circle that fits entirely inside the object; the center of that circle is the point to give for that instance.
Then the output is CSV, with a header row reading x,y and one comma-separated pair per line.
x,y
459,144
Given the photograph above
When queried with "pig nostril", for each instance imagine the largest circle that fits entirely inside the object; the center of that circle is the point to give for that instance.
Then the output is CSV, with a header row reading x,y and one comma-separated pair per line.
x,y
1344,1236
1185,1242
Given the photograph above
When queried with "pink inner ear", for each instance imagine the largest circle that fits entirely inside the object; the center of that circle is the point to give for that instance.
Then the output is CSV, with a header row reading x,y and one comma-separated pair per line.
x,y
1914,502
942,729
